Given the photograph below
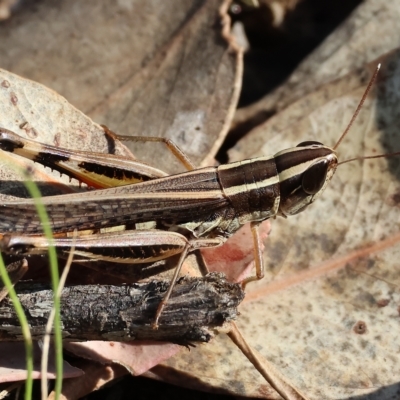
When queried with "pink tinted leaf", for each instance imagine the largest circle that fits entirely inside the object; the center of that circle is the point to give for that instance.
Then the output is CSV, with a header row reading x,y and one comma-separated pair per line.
x,y
13,361
136,357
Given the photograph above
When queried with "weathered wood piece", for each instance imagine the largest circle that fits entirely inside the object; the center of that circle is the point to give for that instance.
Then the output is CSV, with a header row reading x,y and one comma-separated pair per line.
x,y
125,313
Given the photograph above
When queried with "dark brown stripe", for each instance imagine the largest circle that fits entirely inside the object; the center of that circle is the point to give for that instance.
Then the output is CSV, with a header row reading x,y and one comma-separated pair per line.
x,y
134,253
298,157
247,179
50,159
10,145
112,172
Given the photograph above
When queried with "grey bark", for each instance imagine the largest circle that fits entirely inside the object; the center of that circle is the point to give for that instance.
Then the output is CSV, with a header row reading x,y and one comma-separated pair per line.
x,y
124,313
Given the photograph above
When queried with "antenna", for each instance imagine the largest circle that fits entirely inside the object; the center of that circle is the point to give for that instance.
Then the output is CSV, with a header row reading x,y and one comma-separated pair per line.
x,y
371,82
369,157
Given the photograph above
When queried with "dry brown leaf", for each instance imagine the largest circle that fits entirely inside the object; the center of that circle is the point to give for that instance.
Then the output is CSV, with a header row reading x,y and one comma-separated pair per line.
x,y
327,313
136,357
36,112
13,363
236,254
370,32
140,67
95,376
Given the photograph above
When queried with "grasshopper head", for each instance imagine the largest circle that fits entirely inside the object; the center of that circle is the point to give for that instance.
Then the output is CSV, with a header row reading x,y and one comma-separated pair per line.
x,y
304,172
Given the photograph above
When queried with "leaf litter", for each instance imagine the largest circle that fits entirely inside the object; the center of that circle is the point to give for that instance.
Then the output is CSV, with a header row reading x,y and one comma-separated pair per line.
x,y
310,322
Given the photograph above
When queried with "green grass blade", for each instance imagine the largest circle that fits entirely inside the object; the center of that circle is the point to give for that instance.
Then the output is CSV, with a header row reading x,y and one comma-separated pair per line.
x,y
24,327
53,262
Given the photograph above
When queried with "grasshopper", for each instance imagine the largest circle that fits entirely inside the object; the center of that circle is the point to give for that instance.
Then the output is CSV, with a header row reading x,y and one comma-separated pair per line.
x,y
187,211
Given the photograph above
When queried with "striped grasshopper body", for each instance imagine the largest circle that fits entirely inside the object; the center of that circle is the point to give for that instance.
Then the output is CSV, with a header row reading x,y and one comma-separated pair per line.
x,y
209,203
198,208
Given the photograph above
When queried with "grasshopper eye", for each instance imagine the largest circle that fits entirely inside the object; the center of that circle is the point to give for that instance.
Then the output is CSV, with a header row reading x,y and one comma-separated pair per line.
x,y
315,176
309,143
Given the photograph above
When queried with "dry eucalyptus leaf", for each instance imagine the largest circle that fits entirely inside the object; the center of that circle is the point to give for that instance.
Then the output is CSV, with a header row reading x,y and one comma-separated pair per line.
x,y
236,253
218,367
95,376
136,357
369,32
140,67
327,313
36,112
13,363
